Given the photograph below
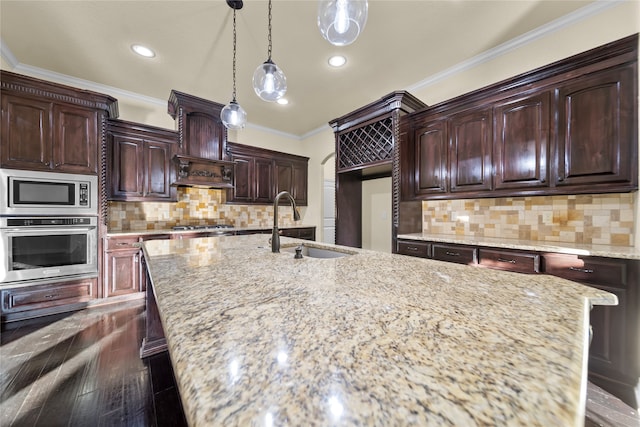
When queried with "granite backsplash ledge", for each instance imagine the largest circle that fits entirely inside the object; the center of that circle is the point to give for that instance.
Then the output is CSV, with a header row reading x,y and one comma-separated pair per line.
x,y
607,219
195,206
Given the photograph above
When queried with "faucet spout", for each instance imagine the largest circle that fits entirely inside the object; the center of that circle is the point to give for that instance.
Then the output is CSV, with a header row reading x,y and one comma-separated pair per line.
x,y
275,235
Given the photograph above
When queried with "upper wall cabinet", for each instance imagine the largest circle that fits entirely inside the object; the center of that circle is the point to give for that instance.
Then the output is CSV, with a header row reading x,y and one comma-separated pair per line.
x,y
139,161
261,174
200,129
596,128
50,127
568,128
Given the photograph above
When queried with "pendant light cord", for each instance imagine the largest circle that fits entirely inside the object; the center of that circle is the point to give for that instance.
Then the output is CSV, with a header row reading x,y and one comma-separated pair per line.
x,y
234,55
269,50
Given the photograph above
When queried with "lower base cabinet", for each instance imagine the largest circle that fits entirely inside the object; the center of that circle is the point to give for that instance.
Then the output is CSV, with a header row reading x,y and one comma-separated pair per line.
x,y
614,353
41,300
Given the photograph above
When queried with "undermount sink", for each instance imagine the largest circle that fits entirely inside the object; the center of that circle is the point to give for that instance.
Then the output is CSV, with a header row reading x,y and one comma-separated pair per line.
x,y
313,252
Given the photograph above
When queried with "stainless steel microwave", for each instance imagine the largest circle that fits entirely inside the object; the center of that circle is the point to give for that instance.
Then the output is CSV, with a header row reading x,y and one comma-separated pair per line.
x,y
47,193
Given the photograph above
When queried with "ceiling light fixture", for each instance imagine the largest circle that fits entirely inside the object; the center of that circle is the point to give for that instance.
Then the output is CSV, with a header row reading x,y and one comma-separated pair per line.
x,y
143,51
342,21
269,81
337,61
233,115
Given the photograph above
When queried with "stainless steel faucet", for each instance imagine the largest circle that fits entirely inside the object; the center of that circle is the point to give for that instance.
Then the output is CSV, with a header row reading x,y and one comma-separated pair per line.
x,y
275,235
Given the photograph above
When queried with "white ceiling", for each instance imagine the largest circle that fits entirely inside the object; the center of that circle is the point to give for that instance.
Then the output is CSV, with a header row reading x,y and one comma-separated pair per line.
x,y
403,43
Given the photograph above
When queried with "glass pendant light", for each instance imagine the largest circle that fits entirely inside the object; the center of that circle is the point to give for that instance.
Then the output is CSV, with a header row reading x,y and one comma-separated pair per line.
x,y
342,21
233,115
269,81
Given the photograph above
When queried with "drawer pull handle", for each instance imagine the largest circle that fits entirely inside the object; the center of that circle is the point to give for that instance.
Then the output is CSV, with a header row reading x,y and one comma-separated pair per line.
x,y
122,244
412,248
581,270
510,261
51,296
452,253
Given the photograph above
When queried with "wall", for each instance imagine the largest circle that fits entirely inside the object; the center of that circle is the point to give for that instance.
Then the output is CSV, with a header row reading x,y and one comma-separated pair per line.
x,y
376,214
620,20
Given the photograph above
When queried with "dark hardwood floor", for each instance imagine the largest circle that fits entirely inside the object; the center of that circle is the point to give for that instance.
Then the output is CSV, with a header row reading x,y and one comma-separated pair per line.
x,y
83,368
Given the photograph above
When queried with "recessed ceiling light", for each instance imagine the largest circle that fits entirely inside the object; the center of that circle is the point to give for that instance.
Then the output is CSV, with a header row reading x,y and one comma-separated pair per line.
x,y
283,101
143,51
337,61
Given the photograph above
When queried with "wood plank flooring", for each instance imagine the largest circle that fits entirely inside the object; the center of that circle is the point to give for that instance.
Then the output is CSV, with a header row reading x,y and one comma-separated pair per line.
x,y
83,369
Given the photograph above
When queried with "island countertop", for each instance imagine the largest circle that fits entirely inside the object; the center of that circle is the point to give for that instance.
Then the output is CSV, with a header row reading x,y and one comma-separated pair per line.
x,y
261,338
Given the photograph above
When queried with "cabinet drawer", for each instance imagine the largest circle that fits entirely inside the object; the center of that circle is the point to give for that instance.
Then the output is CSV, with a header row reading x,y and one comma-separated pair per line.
x,y
509,260
600,271
117,243
455,253
308,233
413,248
34,297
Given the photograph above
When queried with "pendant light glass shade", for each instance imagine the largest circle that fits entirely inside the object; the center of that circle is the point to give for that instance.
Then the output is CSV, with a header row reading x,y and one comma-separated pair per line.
x,y
233,116
269,82
342,21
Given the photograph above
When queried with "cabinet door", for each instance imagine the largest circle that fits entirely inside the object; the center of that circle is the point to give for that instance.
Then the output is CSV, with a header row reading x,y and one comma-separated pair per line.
x,y
243,177
284,177
263,180
75,142
26,134
431,158
204,136
158,171
596,129
521,142
299,184
126,167
470,136
123,272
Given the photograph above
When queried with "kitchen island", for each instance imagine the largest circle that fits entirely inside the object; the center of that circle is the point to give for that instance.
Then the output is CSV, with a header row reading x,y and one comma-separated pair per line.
x,y
261,338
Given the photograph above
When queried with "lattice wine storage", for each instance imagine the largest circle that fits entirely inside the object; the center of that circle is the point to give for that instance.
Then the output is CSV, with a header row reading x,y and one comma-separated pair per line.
x,y
369,144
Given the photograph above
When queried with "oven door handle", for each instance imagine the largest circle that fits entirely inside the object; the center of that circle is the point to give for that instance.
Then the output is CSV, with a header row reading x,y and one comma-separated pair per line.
x,y
40,230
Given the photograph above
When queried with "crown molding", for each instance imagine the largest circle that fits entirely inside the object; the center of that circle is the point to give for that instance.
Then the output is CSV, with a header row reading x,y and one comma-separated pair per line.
x,y
529,37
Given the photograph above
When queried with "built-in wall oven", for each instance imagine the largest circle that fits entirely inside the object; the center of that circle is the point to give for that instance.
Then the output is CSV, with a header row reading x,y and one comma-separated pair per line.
x,y
48,227
38,249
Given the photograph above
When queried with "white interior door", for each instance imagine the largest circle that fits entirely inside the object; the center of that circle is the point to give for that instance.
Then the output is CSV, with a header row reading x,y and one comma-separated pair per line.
x,y
329,211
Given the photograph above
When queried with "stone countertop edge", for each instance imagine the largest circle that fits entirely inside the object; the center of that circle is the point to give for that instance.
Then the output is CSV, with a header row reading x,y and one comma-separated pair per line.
x,y
257,337
608,251
171,231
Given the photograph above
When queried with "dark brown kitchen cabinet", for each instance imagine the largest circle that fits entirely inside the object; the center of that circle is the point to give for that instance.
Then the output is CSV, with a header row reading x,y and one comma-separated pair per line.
x,y
567,128
40,300
200,129
139,162
614,353
510,260
470,136
291,176
306,233
261,174
51,127
431,147
123,272
597,133
414,248
521,144
253,179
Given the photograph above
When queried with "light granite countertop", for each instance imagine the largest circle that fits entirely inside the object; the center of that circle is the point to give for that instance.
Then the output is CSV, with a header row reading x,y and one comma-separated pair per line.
x,y
261,338
624,252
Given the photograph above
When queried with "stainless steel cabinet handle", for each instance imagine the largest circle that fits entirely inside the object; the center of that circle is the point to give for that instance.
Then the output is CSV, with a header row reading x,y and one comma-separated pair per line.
x,y
510,261
412,248
581,270
51,296
452,253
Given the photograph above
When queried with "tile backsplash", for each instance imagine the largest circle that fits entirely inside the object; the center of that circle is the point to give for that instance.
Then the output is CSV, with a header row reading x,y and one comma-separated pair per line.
x,y
591,219
195,206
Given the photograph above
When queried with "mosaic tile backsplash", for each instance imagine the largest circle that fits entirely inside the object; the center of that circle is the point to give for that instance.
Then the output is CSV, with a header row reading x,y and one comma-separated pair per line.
x,y
195,206
591,219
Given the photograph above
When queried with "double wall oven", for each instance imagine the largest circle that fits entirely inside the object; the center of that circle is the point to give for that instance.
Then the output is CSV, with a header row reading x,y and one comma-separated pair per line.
x,y
48,227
